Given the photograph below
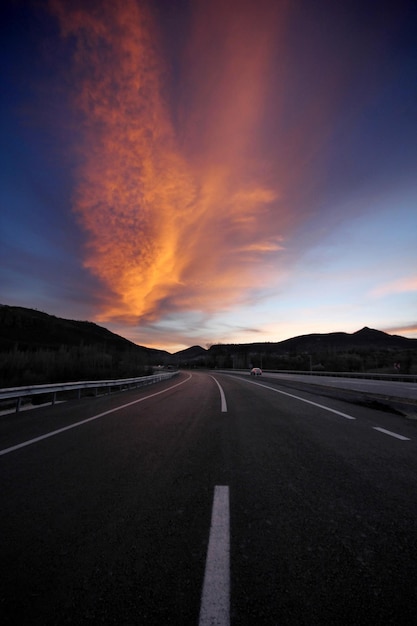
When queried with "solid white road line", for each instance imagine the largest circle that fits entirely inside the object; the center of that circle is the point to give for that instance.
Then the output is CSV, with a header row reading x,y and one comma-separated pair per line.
x,y
222,396
215,601
90,419
389,432
320,406
326,408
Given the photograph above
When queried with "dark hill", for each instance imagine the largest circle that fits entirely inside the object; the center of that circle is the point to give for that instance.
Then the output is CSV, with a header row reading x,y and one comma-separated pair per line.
x,y
195,352
370,337
366,338
29,329
364,350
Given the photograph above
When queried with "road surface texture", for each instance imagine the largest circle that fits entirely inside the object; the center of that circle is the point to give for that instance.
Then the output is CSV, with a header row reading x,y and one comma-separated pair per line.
x,y
384,388
208,499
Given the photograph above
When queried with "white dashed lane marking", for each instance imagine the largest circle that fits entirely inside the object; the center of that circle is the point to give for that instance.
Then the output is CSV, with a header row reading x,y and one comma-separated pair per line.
x,y
215,600
222,396
391,434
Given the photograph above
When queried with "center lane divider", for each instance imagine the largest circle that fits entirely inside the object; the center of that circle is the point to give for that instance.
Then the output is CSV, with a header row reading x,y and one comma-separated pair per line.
x,y
215,600
222,396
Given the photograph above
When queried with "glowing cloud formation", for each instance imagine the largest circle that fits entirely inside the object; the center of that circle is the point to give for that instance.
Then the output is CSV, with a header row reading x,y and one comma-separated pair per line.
x,y
179,214
211,170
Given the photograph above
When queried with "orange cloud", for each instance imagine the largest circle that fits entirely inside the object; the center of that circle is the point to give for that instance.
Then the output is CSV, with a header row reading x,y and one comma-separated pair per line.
x,y
407,330
179,216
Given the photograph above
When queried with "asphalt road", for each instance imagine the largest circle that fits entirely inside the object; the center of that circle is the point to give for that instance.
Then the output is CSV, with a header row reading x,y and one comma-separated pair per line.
x,y
208,499
385,388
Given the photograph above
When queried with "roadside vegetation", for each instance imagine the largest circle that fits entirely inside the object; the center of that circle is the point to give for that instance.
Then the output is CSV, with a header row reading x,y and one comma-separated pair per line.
x,y
20,367
37,348
329,360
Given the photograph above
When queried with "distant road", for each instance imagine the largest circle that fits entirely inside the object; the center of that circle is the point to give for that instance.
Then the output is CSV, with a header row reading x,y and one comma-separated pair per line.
x,y
387,388
209,498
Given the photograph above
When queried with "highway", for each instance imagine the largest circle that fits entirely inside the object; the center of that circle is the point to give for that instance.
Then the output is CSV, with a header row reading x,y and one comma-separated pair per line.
x,y
208,499
386,388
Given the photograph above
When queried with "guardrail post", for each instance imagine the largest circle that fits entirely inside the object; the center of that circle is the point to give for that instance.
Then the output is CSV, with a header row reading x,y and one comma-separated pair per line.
x,y
53,398
19,400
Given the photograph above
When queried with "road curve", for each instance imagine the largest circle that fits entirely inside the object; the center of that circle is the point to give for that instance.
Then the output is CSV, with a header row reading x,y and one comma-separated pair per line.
x,y
387,388
109,519
384,388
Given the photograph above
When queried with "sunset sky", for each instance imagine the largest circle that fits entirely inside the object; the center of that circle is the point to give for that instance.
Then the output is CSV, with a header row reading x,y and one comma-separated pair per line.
x,y
198,171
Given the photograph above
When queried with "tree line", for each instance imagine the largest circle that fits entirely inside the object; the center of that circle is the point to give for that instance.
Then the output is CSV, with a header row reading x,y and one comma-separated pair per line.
x,y
20,367
41,365
360,361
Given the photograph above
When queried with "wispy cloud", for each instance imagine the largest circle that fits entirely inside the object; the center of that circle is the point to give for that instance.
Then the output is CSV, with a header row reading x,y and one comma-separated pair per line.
x,y
214,158
176,219
402,285
409,329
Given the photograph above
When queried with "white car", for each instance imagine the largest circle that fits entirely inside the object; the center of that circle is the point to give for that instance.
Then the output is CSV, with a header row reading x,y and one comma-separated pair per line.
x,y
256,371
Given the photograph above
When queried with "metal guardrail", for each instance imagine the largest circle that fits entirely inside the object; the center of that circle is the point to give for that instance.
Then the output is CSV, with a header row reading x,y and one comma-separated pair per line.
x,y
117,384
402,378
406,378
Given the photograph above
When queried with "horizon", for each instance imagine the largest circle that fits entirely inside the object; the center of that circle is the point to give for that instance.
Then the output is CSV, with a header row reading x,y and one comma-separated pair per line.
x,y
193,173
207,347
